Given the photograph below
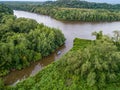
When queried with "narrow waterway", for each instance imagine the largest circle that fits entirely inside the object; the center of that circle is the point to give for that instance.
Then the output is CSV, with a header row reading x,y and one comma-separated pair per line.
x,y
71,30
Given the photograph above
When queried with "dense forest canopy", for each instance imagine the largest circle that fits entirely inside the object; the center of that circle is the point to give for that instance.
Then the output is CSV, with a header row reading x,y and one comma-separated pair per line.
x,y
88,66
82,4
5,10
63,3
24,40
74,14
71,10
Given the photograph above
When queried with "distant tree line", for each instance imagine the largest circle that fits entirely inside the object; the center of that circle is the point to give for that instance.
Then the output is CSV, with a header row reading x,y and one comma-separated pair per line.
x,y
82,4
4,10
74,14
72,10
64,3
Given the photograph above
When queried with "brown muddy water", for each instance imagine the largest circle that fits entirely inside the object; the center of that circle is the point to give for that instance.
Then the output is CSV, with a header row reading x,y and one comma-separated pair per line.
x,y
71,30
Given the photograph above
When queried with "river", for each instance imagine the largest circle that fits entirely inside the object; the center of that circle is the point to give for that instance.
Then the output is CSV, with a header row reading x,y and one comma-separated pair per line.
x,y
71,30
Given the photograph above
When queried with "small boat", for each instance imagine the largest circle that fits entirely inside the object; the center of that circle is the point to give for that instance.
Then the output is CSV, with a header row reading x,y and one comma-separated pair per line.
x,y
59,52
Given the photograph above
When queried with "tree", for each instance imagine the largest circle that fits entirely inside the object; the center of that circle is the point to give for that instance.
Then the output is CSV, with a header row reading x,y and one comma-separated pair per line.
x,y
116,35
2,87
23,25
98,34
116,38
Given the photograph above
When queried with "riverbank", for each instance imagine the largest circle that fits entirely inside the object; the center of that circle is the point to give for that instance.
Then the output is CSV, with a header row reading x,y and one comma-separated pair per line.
x,y
81,11
79,69
71,30
25,41
79,14
51,68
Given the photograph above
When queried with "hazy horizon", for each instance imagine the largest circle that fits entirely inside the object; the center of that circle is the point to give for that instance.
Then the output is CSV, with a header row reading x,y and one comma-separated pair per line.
x,y
100,1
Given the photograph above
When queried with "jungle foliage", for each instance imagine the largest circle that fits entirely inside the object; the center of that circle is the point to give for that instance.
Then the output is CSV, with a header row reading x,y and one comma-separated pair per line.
x,y
62,3
71,10
89,65
74,14
94,66
4,10
23,41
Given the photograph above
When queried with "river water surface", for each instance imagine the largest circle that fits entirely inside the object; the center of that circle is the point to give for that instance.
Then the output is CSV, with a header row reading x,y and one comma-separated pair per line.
x,y
71,30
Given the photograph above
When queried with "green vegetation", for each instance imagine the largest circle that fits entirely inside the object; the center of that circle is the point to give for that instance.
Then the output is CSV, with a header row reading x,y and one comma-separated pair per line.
x,y
89,65
72,10
94,66
24,40
78,14
61,3
2,86
74,14
4,11
80,44
20,44
83,4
